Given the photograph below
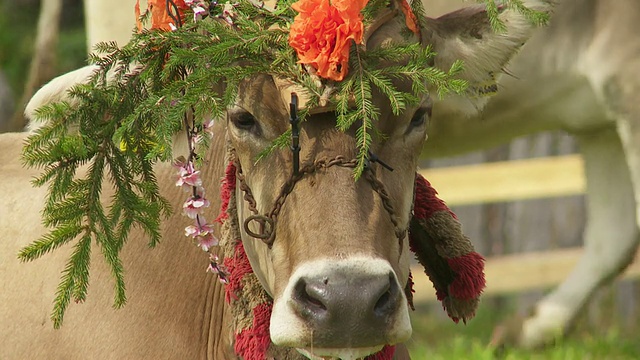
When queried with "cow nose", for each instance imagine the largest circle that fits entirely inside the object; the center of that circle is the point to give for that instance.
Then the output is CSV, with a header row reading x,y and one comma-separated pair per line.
x,y
354,308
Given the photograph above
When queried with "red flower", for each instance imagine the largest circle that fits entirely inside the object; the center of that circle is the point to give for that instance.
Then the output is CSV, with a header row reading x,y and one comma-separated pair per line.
x,y
322,32
160,18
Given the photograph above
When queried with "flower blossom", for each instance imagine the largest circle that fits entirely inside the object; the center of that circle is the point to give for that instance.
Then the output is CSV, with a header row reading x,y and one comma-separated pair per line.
x,y
194,205
216,268
198,8
207,127
188,176
322,33
202,233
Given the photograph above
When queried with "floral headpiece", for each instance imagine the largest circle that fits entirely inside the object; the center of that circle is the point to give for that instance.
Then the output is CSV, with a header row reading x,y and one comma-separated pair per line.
x,y
323,32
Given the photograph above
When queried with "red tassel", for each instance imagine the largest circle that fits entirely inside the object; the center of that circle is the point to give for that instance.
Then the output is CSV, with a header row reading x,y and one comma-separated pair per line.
x,y
227,188
426,200
386,353
459,280
469,281
237,266
252,343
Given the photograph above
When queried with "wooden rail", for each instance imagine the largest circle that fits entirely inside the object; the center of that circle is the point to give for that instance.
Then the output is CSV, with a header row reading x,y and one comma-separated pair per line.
x,y
509,181
520,272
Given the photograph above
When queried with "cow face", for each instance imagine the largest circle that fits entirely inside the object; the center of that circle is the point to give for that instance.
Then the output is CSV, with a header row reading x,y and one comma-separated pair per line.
x,y
338,264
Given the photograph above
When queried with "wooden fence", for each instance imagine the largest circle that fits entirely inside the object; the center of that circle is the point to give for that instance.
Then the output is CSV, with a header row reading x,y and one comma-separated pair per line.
x,y
510,181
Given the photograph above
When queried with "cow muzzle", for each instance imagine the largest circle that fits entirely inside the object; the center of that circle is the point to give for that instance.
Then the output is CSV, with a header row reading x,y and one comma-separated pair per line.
x,y
355,303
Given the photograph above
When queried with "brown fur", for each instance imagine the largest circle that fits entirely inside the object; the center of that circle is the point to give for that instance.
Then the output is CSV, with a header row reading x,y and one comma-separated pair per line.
x,y
175,309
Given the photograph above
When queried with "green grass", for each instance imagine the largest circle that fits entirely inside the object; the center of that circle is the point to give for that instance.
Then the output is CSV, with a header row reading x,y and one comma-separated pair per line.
x,y
436,338
611,346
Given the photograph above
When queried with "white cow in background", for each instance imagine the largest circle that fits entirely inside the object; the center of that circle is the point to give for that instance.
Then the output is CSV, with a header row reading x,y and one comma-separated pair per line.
x,y
109,21
581,74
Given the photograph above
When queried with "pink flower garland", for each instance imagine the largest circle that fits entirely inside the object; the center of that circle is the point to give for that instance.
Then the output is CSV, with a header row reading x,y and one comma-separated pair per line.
x,y
189,179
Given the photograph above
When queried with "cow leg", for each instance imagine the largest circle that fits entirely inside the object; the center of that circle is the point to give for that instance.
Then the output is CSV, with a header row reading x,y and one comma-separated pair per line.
x,y
611,237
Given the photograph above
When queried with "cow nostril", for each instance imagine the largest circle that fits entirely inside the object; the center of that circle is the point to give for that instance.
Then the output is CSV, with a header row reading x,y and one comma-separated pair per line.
x,y
388,300
309,297
383,301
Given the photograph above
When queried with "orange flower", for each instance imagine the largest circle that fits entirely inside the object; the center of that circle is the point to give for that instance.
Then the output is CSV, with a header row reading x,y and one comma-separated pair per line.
x,y
410,18
160,18
322,32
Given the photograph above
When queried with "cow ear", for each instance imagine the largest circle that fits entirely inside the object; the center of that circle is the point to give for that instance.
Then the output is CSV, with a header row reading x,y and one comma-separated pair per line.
x,y
54,91
467,35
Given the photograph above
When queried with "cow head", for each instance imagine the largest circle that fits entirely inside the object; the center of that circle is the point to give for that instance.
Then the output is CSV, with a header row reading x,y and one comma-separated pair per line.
x,y
338,264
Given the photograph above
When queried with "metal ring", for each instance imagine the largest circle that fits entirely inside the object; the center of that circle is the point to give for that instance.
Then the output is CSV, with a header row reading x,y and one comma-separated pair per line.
x,y
262,220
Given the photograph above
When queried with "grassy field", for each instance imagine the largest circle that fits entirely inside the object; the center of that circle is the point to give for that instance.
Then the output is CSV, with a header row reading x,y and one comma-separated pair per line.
x,y
436,338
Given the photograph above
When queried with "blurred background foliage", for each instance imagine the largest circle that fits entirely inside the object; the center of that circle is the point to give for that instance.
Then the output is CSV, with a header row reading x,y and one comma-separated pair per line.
x,y
18,24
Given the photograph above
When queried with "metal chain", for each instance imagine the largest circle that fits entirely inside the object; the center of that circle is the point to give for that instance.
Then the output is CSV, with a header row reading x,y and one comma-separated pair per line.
x,y
267,222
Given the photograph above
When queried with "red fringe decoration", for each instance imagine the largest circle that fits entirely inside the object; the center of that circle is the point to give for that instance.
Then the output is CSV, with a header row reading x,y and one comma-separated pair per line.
x,y
386,353
458,280
237,266
467,285
426,200
253,343
227,187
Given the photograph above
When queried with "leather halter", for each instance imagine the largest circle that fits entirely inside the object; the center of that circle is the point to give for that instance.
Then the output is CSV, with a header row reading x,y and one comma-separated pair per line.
x,y
268,221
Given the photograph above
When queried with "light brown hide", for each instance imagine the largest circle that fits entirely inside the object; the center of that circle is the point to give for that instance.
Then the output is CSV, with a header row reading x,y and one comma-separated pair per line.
x,y
175,309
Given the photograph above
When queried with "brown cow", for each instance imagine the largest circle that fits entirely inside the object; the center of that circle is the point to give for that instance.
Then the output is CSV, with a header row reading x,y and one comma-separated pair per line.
x,y
336,269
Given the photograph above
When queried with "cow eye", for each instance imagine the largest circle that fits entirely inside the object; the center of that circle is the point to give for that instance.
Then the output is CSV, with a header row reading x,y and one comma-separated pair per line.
x,y
243,120
420,117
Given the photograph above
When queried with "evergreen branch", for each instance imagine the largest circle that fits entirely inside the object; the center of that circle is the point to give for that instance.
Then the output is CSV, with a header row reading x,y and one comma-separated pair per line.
x,y
397,99
366,112
57,237
110,251
58,211
493,14
536,17
342,105
74,279
114,128
280,142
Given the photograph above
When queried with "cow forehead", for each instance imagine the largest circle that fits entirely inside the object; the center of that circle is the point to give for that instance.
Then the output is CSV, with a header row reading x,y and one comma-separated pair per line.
x,y
266,99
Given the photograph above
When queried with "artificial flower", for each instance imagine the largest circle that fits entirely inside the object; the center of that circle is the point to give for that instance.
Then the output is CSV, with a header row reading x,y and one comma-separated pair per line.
x,y
322,34
207,127
160,18
216,268
201,227
198,7
188,176
194,205
206,241
411,20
